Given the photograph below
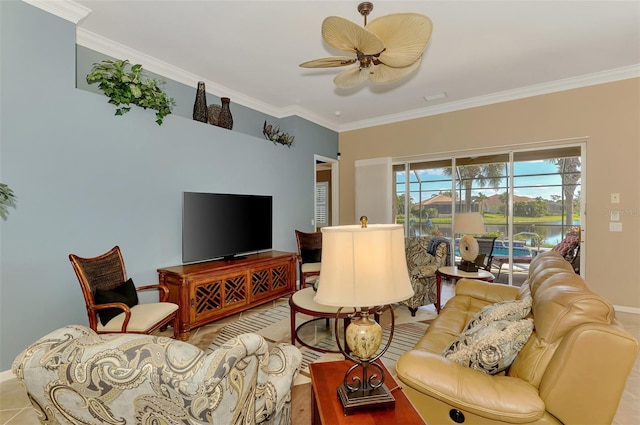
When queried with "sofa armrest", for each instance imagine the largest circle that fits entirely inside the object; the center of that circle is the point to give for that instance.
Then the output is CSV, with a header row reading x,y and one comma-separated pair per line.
x,y
495,397
490,292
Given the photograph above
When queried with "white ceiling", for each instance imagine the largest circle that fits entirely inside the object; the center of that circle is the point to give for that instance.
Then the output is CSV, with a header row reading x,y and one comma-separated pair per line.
x,y
480,51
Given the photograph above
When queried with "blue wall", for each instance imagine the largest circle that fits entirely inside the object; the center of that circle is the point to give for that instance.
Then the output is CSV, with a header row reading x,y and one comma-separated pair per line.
x,y
87,180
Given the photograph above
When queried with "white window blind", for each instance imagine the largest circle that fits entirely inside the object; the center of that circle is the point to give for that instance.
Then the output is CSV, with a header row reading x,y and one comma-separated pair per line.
x,y
322,204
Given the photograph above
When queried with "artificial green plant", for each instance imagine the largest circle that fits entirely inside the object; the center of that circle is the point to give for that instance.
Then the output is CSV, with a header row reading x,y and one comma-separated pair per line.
x,y
127,85
7,199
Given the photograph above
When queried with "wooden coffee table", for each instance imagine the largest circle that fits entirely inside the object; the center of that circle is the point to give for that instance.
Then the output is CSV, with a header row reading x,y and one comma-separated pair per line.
x,y
452,272
326,408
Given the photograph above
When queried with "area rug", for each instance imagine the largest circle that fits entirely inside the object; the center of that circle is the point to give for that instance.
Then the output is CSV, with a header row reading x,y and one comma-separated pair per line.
x,y
274,325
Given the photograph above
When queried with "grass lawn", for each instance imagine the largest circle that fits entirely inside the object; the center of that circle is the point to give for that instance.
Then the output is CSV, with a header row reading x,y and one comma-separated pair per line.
x,y
489,218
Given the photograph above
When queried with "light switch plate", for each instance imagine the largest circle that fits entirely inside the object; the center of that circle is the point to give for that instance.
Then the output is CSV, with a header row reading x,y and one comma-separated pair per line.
x,y
615,215
615,226
615,198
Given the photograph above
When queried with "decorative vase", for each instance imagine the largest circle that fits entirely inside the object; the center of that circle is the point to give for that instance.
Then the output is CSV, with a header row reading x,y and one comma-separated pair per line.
x,y
200,105
225,119
213,112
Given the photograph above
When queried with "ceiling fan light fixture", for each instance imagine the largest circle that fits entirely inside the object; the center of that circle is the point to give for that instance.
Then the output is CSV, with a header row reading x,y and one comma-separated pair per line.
x,y
348,36
387,49
351,78
405,37
383,74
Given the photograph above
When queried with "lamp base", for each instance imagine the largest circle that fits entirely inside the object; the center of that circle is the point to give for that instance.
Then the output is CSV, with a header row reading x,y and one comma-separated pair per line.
x,y
468,266
354,401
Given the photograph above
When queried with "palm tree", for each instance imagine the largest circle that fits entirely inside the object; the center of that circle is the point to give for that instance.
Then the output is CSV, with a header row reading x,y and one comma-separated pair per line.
x,y
483,175
569,170
504,198
481,198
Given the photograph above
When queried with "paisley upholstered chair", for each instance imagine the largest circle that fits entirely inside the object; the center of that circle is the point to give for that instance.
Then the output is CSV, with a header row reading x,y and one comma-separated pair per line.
x,y
74,375
423,260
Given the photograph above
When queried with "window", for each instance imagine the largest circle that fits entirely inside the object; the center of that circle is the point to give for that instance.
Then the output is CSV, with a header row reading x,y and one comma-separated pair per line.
x,y
529,199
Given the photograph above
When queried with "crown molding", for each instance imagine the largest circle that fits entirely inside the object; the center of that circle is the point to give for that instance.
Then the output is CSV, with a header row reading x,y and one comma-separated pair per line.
x,y
586,80
75,13
65,9
111,48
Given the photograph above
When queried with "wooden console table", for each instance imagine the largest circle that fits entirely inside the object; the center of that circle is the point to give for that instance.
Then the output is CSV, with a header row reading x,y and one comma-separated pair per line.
x,y
206,292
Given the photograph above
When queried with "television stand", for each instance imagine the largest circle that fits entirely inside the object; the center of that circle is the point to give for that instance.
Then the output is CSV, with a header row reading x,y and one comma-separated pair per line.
x,y
209,291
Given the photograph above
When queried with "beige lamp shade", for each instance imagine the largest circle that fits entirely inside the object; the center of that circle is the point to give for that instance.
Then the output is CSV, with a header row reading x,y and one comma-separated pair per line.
x,y
468,223
363,267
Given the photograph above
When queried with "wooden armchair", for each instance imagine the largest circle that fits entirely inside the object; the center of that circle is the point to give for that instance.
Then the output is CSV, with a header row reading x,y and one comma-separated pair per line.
x,y
309,255
106,290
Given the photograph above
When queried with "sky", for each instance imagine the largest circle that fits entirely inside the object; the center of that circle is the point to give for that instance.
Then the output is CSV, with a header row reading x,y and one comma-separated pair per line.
x,y
532,186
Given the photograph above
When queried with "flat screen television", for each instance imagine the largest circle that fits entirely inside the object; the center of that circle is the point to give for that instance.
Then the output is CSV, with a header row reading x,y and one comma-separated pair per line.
x,y
219,225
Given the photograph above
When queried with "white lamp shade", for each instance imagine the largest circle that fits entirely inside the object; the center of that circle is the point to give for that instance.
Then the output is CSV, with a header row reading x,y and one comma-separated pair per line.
x,y
363,267
468,223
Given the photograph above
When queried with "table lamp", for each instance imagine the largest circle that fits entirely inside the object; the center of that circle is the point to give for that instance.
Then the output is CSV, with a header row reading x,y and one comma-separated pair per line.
x,y
470,224
363,267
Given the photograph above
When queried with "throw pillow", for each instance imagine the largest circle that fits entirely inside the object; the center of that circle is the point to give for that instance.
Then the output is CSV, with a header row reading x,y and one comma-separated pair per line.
x,y
123,293
504,310
311,255
490,348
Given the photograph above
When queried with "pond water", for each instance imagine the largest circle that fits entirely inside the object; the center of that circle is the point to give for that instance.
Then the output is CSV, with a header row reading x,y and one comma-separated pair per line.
x,y
551,233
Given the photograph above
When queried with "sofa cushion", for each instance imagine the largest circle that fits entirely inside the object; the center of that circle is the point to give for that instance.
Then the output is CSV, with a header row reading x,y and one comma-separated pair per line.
x,y
124,293
505,310
491,347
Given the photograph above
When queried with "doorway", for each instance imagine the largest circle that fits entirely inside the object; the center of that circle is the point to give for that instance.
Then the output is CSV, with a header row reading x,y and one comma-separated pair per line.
x,y
325,204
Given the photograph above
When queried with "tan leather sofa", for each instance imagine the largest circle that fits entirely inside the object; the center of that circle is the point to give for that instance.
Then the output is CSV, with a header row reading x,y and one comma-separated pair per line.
x,y
572,369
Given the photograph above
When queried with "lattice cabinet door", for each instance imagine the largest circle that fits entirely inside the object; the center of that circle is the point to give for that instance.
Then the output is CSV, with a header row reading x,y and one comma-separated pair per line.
x,y
213,297
274,278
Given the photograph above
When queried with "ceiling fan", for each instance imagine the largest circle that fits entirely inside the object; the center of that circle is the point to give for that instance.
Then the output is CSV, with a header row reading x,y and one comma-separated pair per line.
x,y
387,48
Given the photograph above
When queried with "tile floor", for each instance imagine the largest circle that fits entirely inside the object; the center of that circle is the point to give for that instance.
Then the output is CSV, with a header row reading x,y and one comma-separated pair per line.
x,y
15,408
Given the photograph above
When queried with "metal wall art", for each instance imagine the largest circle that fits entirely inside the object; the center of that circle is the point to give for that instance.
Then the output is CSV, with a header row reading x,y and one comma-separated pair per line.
x,y
276,136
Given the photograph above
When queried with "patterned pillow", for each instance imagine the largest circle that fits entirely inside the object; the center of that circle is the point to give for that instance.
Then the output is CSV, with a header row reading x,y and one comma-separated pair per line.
x,y
504,310
490,348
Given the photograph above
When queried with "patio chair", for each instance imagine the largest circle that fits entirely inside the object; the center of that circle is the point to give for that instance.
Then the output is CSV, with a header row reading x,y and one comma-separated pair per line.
x,y
569,248
485,248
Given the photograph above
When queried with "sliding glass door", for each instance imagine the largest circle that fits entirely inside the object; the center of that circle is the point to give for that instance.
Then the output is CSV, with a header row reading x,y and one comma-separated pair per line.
x,y
529,200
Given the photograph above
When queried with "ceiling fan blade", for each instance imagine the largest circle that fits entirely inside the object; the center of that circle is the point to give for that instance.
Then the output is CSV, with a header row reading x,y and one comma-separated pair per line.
x,y
347,36
351,78
382,74
331,62
405,36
